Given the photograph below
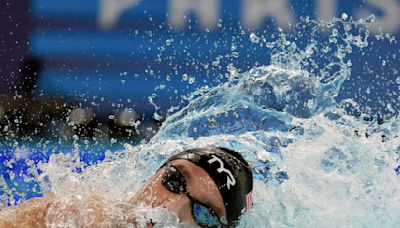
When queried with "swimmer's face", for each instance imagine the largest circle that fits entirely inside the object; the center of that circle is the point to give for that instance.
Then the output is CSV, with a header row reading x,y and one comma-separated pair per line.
x,y
198,183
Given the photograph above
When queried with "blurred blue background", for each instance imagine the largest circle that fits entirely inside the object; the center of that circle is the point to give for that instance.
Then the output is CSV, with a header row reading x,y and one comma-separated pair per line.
x,y
109,57
108,53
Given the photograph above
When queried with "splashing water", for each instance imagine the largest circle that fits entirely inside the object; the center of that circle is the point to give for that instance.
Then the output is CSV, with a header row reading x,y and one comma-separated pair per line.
x,y
314,164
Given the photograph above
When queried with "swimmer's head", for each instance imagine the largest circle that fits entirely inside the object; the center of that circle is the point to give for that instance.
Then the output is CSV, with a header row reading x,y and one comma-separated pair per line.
x,y
230,172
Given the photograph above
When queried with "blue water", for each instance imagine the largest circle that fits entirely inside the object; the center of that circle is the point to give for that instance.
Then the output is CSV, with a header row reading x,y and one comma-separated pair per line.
x,y
317,161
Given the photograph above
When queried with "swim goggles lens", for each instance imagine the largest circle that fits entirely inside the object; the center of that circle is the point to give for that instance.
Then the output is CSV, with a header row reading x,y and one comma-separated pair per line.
x,y
204,216
174,180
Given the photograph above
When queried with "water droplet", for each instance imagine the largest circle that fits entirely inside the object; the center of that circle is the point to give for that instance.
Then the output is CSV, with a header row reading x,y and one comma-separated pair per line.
x,y
192,80
332,39
185,77
233,71
168,42
212,123
216,63
335,32
233,47
370,19
345,16
156,116
235,55
254,38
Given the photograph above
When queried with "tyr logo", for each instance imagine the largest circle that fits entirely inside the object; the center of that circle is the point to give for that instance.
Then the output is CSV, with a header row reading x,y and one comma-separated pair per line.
x,y
230,180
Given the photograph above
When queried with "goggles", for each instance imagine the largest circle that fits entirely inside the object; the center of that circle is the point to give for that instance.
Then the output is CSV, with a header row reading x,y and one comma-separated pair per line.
x,y
203,215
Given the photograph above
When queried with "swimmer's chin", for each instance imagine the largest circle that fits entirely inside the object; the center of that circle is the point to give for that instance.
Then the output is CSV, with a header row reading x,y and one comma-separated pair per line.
x,y
179,225
146,216
187,225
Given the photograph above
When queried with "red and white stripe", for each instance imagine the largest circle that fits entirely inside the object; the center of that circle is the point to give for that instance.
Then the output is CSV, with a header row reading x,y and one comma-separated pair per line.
x,y
249,201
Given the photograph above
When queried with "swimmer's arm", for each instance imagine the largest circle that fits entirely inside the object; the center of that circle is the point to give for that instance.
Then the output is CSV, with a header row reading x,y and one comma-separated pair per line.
x,y
31,213
34,212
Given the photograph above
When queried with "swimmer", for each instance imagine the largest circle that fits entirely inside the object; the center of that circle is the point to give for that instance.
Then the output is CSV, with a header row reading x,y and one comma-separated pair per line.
x,y
206,187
